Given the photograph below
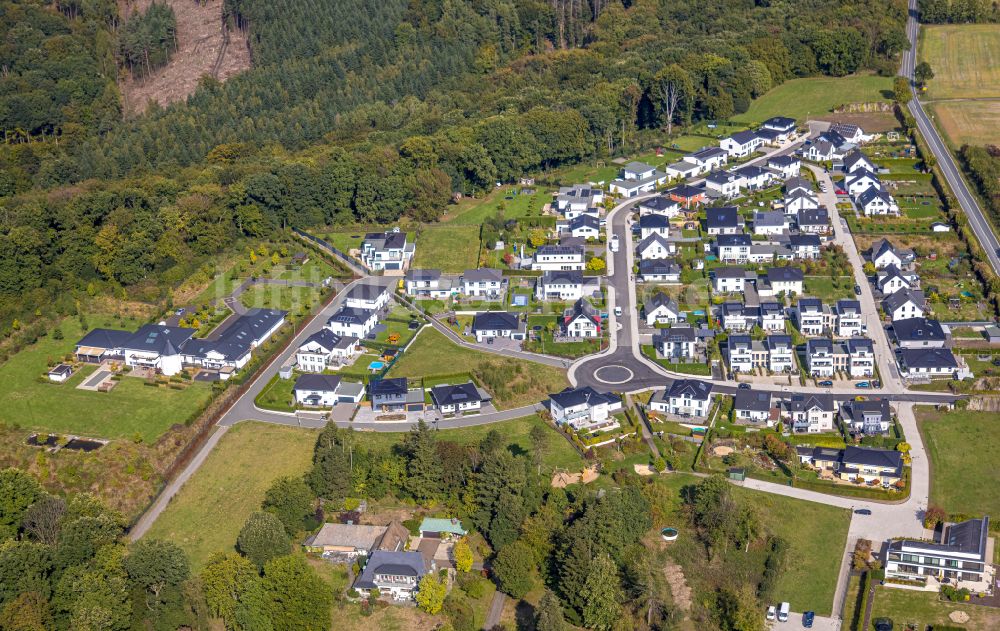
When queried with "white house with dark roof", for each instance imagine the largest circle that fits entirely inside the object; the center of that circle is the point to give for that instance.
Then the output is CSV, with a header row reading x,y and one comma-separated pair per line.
x,y
388,251
558,257
655,247
737,316
324,391
754,177
904,304
582,226
797,184
709,158
770,222
637,178
800,200
872,417
427,283
772,316
932,363
961,556
851,133
918,333
367,296
485,282
352,322
804,246
891,279
820,151
490,324
324,349
654,224
581,320
677,343
745,354
859,181
682,169
461,398
393,573
157,347
811,413
566,285
849,318
877,202
813,317
660,309
741,144
861,357
814,221
753,406
856,160
883,254
785,166
585,409
727,280
780,353
685,397
781,279
723,220
733,248
659,271
724,184
659,205
781,124
573,201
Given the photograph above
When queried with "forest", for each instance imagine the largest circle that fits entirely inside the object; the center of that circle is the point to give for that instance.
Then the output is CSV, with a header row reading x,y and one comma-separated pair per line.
x,y
958,11
358,114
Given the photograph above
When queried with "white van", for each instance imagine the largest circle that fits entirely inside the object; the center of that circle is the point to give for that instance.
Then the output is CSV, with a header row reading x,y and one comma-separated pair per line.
x,y
783,612
614,243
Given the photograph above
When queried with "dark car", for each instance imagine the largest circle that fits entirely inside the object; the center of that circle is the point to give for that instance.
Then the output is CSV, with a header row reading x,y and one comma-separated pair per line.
x,y
883,624
862,511
744,386
825,383
807,619
857,289
413,325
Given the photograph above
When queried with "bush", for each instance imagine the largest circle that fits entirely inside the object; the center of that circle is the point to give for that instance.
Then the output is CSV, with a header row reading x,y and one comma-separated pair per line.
x,y
473,585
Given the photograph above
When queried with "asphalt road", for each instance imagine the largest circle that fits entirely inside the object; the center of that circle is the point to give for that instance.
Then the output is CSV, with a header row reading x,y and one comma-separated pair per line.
x,y
968,202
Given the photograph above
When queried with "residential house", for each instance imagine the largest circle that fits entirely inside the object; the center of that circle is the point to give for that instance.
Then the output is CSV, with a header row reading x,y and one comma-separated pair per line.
x,y
352,322
852,134
781,124
572,201
723,220
565,286
780,353
661,310
855,161
737,316
393,574
877,202
811,413
785,166
861,357
814,221
769,137
755,178
100,345
904,304
490,324
354,540
485,282
741,144
787,280
654,224
709,158
231,350
659,205
770,222
961,556
389,395
804,246
324,391
685,397
800,200
849,318
462,398
388,251
585,409
441,528
753,406
730,279
582,226
637,178
733,248
891,279
427,283
884,254
871,417
581,320
558,257
798,184
772,316
746,354
724,183
871,466
682,169
814,318
918,333
825,357
933,362
820,151
654,247
662,271
687,195
859,181
367,296
156,347
677,343
324,349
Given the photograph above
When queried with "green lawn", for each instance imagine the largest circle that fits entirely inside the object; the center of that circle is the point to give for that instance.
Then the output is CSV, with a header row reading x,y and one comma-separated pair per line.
x,y
130,409
472,212
289,298
963,484
923,608
450,248
513,383
690,368
208,512
812,97
829,289
315,270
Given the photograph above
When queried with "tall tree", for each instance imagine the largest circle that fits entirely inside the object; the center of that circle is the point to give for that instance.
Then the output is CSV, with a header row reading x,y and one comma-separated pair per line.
x,y
512,568
430,593
291,501
549,614
602,595
674,91
18,491
263,538
226,581
295,597
422,467
153,565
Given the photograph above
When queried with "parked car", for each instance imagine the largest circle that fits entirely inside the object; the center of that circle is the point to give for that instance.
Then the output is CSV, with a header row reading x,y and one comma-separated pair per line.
x,y
807,619
772,612
413,325
825,383
857,289
783,611
883,624
862,511
618,311
862,384
744,386
181,311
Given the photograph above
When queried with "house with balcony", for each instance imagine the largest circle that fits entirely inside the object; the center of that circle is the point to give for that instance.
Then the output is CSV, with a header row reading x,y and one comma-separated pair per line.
x,y
325,391
825,357
585,409
861,360
582,199
659,271
724,184
929,363
660,309
810,413
753,406
727,280
565,286
770,222
484,282
872,417
733,248
352,322
325,349
746,354
687,398
814,221
780,353
389,251
367,296
772,316
849,318
581,320
487,325
813,317
390,395
738,317
558,257
961,557
462,398
804,246
741,144
871,466
781,280
709,158
723,220
678,343
875,201
396,574
918,333
427,283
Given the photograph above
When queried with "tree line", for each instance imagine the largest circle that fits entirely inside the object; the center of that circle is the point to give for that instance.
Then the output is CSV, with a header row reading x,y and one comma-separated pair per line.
x,y
958,11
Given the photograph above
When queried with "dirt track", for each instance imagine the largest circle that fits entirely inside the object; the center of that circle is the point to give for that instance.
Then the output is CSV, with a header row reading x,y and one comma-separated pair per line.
x,y
199,40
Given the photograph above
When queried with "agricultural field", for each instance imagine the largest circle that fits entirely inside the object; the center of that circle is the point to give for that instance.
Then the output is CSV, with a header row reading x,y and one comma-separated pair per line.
x,y
968,122
206,515
816,97
451,248
513,383
131,410
965,59
962,484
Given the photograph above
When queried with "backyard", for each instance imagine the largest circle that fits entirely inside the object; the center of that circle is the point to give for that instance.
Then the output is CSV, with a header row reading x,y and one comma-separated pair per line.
x,y
962,484
208,512
132,409
513,383
814,97
925,609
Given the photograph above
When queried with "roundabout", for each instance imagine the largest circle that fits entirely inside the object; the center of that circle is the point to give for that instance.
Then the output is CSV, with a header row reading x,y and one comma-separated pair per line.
x,y
614,374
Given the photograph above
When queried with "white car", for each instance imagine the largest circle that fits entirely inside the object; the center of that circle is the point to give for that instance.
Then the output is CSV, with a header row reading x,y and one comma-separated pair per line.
x,y
772,612
618,311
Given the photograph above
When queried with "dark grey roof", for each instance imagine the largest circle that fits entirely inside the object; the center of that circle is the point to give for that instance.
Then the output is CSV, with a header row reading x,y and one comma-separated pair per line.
x,y
784,274
720,177
927,357
241,336
674,334
809,305
773,218
779,122
798,181
423,274
724,240
654,221
845,306
857,410
739,341
495,321
652,238
731,272
392,563
814,217
388,387
853,158
366,291
693,388
782,161
969,536
322,383
545,249
768,134
328,339
872,193
709,152
660,299
686,190
350,315
658,203
899,298
819,345
751,171
743,137
753,400
651,267
568,277
105,338
456,394
867,456
585,221
486,273
722,217
918,329
738,308
803,402
155,338
578,396
778,341
771,307
858,344
803,240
